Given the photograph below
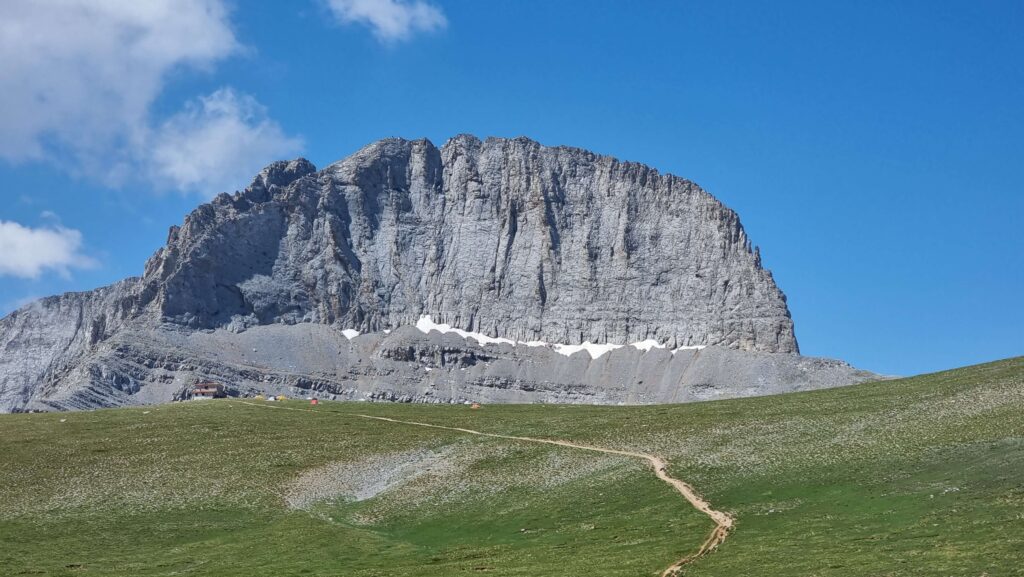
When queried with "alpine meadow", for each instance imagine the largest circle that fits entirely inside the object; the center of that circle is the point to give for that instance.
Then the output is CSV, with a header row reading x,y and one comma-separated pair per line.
x,y
443,288
917,476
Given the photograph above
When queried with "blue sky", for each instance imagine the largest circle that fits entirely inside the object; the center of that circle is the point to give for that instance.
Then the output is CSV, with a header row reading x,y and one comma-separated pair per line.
x,y
874,150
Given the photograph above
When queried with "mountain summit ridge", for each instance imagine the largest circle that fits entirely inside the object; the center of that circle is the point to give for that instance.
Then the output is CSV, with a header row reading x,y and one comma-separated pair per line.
x,y
503,237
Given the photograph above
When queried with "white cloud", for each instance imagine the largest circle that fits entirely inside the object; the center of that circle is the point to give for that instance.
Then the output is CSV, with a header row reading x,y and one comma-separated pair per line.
x,y
390,20
78,79
26,252
217,143
15,304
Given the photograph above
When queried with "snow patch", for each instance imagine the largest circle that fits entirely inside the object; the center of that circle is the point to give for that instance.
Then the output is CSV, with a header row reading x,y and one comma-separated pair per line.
x,y
594,349
427,324
647,345
350,333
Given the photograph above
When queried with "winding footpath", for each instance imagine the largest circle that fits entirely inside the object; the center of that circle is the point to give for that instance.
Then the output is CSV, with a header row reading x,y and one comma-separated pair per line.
x,y
723,521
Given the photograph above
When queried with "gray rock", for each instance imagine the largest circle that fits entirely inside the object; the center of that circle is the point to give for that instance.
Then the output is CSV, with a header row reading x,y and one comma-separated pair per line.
x,y
406,365
504,237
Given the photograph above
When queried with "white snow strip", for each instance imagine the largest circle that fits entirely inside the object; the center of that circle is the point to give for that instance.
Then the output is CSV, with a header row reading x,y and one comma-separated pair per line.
x,y
595,350
427,324
350,333
648,345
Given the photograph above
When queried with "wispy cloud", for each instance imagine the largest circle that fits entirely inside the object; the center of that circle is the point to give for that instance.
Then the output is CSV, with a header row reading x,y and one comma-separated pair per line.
x,y
79,76
217,142
15,304
27,252
78,79
390,20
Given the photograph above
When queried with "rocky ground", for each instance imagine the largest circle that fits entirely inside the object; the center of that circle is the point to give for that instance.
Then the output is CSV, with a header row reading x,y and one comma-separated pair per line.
x,y
408,365
517,243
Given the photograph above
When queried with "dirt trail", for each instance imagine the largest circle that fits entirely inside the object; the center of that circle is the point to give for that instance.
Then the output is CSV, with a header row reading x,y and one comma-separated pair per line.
x,y
723,522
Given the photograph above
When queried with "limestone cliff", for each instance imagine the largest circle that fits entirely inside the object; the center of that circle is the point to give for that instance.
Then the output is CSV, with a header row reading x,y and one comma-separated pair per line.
x,y
504,237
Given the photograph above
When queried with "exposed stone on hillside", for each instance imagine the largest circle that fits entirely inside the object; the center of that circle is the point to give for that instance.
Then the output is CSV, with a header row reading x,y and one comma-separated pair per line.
x,y
504,237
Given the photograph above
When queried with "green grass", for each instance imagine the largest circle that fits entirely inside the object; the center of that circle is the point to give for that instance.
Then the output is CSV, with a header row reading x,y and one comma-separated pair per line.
x,y
920,476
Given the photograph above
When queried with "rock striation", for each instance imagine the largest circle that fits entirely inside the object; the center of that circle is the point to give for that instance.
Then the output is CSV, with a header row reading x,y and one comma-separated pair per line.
x,y
503,237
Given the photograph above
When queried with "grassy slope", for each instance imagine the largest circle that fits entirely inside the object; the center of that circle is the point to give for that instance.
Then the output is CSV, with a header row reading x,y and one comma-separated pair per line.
x,y
920,476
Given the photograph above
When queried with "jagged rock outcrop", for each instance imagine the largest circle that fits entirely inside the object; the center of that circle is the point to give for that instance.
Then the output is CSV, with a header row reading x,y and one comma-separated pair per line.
x,y
503,237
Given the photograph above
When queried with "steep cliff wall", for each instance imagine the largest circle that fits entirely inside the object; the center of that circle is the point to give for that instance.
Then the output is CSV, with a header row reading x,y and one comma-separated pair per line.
x,y
503,237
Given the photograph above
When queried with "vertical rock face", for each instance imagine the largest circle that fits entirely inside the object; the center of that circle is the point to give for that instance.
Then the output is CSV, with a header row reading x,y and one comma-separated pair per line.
x,y
504,237
44,339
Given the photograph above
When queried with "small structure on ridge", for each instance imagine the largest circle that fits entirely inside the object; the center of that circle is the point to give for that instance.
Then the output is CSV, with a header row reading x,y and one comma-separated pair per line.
x,y
207,390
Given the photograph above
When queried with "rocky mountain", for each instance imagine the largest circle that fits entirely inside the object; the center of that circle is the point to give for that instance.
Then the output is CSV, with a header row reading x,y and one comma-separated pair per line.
x,y
504,238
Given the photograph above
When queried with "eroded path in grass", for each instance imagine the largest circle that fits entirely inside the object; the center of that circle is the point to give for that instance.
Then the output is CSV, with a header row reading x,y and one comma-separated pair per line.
x,y
723,522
